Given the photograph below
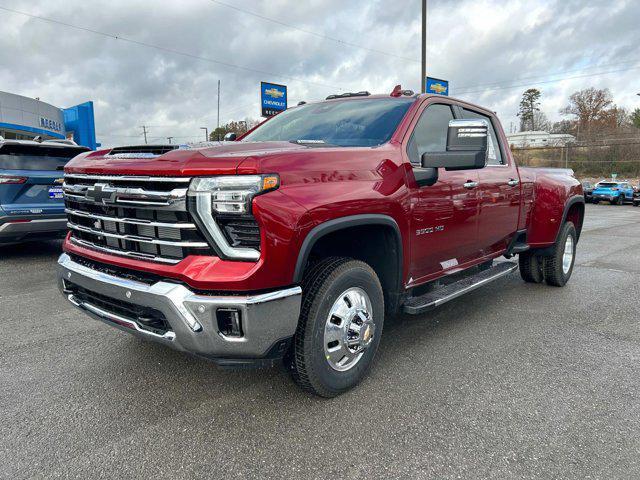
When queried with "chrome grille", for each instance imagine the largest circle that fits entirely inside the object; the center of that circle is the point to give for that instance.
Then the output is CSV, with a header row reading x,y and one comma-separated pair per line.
x,y
133,216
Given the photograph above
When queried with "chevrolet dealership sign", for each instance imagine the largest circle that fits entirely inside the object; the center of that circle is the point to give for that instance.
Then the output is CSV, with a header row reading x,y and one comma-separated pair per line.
x,y
273,98
49,124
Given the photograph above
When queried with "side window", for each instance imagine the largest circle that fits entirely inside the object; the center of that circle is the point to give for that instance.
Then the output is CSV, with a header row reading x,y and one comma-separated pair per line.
x,y
430,133
495,156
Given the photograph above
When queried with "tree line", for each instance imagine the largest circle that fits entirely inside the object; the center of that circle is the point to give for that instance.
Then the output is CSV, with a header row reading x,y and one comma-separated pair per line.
x,y
592,114
607,135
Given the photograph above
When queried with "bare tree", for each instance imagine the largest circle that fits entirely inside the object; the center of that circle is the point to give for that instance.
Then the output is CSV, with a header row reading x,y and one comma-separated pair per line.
x,y
564,126
635,118
541,121
590,106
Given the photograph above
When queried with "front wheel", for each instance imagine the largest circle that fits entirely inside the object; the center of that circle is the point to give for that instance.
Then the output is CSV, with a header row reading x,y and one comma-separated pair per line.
x,y
558,265
340,325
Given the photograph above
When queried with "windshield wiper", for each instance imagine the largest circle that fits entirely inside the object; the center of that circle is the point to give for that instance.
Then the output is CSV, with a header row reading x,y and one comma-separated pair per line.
x,y
309,142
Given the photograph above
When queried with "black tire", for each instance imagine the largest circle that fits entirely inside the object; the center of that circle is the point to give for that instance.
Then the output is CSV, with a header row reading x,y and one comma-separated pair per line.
x,y
530,268
635,204
595,202
620,200
322,286
552,263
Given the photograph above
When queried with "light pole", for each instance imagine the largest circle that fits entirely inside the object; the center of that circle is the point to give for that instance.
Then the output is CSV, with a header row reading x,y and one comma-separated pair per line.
x,y
206,133
423,75
218,123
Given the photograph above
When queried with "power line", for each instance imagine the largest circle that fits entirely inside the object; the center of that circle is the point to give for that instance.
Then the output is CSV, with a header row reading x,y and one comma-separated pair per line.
x,y
311,32
547,75
116,135
548,81
166,49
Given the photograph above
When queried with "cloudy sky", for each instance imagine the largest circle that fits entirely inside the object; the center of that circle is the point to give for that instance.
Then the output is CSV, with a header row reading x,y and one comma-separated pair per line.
x,y
163,69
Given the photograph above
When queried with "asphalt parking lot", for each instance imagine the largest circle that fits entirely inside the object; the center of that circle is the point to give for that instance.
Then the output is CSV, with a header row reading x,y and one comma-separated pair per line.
x,y
513,380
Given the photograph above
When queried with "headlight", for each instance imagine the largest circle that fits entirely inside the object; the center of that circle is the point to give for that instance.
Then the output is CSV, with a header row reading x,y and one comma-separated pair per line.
x,y
227,195
233,193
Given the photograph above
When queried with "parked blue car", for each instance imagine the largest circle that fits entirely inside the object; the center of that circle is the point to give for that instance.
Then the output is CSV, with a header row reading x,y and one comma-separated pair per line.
x,y
31,176
614,192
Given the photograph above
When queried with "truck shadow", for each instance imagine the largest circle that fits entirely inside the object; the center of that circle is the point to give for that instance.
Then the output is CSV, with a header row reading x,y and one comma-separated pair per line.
x,y
404,336
31,250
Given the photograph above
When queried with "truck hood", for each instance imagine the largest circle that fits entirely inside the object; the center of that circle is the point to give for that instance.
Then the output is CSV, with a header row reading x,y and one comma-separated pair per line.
x,y
224,159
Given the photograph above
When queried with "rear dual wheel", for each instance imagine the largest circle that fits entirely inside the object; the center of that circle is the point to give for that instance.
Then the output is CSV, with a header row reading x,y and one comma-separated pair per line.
x,y
556,266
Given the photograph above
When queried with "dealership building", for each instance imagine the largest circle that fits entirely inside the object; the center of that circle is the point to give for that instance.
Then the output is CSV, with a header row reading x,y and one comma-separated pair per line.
x,y
25,118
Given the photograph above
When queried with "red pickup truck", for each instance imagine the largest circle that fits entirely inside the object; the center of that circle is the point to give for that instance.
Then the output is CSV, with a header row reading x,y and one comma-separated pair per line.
x,y
295,241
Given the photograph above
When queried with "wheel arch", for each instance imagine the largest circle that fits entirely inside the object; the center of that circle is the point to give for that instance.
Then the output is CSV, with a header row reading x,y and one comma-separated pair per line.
x,y
388,267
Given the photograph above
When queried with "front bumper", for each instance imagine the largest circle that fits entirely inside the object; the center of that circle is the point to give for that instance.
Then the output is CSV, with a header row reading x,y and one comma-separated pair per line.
x,y
269,320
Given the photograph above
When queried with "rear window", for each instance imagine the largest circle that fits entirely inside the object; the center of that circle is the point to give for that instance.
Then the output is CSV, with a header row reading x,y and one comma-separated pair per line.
x,y
28,157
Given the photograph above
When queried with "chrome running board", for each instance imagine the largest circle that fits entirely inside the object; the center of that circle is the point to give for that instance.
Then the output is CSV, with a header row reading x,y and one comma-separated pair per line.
x,y
435,298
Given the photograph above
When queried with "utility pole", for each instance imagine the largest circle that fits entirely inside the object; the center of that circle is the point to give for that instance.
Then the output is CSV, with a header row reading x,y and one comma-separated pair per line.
x,y
218,123
169,139
206,133
423,77
144,131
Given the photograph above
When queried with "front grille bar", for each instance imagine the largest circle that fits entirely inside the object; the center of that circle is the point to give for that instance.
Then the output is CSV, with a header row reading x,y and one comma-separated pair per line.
x,y
136,238
127,178
125,253
130,221
173,200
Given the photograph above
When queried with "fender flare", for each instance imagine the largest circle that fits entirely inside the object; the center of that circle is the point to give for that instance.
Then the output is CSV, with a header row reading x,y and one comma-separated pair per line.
x,y
570,203
342,223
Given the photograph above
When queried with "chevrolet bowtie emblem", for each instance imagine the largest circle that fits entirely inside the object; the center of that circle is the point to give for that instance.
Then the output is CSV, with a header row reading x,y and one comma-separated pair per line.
x,y
438,88
101,193
274,92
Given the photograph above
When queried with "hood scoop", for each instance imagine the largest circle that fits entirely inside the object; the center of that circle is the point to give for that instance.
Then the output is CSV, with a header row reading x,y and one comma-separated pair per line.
x,y
141,151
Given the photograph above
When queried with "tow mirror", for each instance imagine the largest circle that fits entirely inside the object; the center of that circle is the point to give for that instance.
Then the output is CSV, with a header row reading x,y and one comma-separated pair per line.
x,y
466,147
230,137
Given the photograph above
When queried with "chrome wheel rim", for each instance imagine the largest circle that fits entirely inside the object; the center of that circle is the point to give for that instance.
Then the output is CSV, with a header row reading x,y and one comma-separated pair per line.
x,y
567,257
349,329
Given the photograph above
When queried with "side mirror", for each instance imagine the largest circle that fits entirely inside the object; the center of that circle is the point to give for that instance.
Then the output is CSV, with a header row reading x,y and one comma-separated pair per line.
x,y
466,147
230,137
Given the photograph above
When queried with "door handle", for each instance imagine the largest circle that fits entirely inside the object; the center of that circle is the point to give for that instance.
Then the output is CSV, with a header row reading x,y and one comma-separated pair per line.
x,y
513,182
470,185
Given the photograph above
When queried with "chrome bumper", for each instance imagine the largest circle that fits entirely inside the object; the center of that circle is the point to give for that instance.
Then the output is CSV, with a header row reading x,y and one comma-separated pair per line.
x,y
268,320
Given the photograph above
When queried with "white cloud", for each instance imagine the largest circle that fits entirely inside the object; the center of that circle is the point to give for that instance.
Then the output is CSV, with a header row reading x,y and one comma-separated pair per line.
x,y
471,42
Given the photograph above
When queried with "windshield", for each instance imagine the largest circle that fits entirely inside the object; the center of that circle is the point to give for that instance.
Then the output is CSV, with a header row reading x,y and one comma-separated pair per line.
x,y
607,185
346,123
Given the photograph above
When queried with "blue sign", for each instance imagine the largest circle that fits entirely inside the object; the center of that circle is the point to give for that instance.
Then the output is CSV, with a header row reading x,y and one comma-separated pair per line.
x,y
437,86
273,98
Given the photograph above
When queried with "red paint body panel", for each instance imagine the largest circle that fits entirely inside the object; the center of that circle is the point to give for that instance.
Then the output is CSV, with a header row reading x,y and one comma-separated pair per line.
x,y
318,184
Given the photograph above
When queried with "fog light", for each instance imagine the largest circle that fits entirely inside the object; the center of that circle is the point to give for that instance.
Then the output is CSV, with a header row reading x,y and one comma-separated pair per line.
x,y
229,322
